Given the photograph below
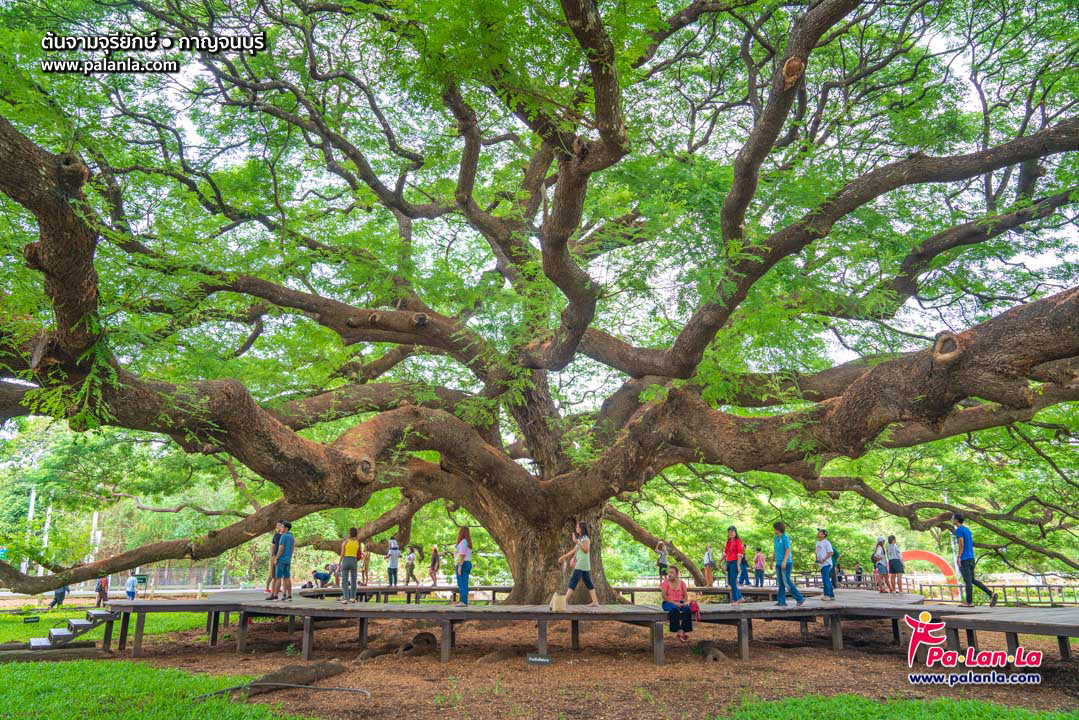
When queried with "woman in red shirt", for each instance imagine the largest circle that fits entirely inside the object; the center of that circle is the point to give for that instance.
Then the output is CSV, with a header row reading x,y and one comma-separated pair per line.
x,y
733,553
676,604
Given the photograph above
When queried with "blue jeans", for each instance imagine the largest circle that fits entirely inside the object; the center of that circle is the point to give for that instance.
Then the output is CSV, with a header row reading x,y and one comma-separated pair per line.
x,y
462,580
349,568
826,581
743,579
680,617
784,583
758,578
732,580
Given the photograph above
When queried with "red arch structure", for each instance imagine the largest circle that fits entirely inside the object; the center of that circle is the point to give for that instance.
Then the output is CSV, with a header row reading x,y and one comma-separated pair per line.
x,y
943,565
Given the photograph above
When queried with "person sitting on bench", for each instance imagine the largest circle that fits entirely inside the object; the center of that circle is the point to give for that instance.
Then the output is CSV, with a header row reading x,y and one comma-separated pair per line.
x,y
676,604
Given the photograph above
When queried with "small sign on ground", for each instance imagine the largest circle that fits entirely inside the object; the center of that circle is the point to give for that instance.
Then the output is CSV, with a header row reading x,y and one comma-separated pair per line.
x,y
539,659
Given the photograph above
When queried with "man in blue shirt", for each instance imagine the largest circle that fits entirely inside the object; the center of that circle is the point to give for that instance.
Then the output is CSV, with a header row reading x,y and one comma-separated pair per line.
x,y
283,562
781,546
966,562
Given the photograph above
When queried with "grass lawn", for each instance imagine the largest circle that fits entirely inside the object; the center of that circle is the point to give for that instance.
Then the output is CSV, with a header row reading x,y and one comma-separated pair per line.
x,y
12,628
118,690
853,707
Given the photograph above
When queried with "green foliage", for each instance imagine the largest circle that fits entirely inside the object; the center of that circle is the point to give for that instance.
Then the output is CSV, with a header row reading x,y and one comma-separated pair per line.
x,y
852,707
119,690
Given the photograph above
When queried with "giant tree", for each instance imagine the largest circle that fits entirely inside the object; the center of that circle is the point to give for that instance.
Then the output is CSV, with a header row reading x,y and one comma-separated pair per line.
x,y
523,257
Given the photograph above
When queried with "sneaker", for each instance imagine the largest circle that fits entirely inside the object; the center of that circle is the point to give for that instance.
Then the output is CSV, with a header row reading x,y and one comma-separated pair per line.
x,y
287,599
993,600
781,604
272,598
801,603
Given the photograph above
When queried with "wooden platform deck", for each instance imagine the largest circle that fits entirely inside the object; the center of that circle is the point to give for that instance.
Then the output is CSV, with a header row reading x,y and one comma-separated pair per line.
x,y
849,605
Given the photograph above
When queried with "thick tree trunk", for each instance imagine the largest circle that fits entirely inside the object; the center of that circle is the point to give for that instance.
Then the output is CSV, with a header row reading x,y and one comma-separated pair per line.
x,y
532,553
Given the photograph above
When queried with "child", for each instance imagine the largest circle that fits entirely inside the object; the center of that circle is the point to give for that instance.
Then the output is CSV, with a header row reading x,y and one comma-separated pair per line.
x,y
365,570
661,560
709,566
880,568
758,569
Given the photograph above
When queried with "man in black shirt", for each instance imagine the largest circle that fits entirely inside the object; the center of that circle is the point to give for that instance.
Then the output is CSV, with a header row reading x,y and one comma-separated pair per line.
x,y
273,554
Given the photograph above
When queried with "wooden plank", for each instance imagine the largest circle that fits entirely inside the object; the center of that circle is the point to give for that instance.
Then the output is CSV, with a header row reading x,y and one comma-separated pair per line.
x,y
575,634
444,641
140,625
106,642
743,639
121,643
897,634
657,642
241,632
214,623
308,633
837,633
972,638
541,642
1065,647
291,625
225,619
363,633
952,635
805,631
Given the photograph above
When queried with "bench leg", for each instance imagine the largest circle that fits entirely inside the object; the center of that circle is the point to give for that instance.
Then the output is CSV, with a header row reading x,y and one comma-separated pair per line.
x,y
125,620
897,634
972,639
1064,643
1012,639
308,632
837,633
805,631
657,642
140,624
743,639
291,625
215,621
575,634
541,643
952,634
363,633
444,641
225,619
241,632
749,626
106,642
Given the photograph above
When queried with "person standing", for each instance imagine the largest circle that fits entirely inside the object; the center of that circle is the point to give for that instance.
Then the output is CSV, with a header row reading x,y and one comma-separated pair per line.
x,y
365,569
393,555
102,590
131,587
895,565
273,561
880,565
582,565
661,559
781,547
966,562
282,584
743,576
709,566
676,604
410,565
349,564
436,562
825,552
758,569
733,552
58,596
858,573
463,564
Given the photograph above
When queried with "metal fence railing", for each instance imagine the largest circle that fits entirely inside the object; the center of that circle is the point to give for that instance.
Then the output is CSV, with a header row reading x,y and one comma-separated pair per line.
x,y
1047,595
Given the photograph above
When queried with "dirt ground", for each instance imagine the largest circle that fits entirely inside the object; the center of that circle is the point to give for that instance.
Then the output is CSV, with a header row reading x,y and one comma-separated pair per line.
x,y
613,676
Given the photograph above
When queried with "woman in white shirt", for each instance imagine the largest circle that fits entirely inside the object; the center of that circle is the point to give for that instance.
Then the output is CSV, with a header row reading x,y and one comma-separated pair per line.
x,y
895,565
463,563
